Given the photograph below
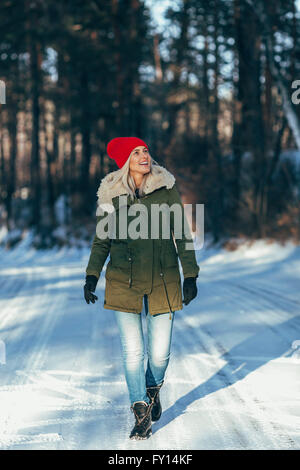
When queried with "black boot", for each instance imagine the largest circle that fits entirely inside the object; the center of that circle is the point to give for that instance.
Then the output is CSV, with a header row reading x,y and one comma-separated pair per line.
x,y
153,394
142,428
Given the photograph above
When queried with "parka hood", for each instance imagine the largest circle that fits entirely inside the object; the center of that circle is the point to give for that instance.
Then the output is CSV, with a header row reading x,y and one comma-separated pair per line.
x,y
111,186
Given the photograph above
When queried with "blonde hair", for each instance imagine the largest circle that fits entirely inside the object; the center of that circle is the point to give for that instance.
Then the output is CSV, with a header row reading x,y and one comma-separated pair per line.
x,y
128,181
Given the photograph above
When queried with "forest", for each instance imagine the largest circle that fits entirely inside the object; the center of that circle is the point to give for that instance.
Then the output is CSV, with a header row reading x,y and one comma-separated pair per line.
x,y
214,93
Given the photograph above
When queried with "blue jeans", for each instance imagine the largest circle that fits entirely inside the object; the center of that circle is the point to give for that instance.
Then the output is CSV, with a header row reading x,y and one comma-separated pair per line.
x,y
159,332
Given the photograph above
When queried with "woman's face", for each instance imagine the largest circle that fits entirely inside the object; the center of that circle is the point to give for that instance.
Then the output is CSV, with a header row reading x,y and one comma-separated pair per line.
x,y
140,160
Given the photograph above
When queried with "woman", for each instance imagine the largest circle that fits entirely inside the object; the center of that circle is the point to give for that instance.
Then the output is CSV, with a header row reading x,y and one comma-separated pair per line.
x,y
141,269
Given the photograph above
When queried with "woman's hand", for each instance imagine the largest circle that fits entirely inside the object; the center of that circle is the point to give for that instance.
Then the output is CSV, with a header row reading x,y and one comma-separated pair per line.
x,y
189,289
89,288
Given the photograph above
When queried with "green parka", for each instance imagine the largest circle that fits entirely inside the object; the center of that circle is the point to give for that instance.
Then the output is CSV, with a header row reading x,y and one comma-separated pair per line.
x,y
143,265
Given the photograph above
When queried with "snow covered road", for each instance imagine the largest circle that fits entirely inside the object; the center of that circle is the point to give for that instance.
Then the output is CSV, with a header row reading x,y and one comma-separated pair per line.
x,y
234,376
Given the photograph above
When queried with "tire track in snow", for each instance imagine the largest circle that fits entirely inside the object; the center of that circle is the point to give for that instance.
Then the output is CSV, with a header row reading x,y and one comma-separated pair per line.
x,y
279,434
228,438
260,424
73,434
264,289
259,304
38,351
293,325
284,302
8,312
233,430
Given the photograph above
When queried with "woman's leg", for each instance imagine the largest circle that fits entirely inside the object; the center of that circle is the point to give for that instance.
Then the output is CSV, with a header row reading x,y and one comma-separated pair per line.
x,y
160,329
132,340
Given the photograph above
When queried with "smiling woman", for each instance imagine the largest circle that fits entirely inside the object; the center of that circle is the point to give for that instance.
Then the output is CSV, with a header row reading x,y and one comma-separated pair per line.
x,y
141,271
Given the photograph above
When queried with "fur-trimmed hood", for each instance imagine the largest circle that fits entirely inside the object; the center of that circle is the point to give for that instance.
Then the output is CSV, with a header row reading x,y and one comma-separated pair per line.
x,y
111,187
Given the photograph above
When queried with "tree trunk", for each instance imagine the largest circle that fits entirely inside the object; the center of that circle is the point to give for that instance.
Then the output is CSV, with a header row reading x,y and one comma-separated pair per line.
x,y
35,68
290,113
248,45
216,150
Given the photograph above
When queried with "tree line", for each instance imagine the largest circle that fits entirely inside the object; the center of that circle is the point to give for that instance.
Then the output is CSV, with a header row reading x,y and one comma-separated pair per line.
x,y
210,94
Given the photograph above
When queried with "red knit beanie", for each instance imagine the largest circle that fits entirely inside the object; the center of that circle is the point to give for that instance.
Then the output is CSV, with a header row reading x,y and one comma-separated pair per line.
x,y
120,148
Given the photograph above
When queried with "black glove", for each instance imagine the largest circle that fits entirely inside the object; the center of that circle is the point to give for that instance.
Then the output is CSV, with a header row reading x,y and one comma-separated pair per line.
x,y
89,287
189,289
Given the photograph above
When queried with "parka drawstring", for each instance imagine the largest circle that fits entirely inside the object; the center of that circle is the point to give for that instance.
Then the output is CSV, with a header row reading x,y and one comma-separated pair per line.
x,y
130,278
165,287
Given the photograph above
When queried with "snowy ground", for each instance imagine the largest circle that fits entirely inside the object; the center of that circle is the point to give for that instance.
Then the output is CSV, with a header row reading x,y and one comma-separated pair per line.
x,y
234,377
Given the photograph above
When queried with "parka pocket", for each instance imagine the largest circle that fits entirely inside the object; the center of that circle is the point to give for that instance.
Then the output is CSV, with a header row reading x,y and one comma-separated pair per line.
x,y
120,267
